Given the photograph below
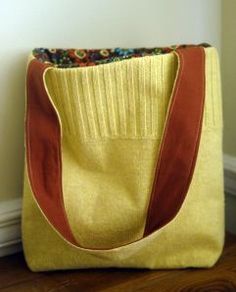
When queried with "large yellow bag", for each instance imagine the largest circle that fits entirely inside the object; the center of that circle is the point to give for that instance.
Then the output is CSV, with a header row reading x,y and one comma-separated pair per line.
x,y
123,158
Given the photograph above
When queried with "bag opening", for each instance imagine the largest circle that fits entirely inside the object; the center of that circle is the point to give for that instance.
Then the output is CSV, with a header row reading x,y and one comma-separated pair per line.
x,y
67,58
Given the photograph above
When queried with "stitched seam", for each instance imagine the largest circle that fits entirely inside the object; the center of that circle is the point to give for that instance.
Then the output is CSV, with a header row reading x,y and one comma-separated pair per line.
x,y
172,102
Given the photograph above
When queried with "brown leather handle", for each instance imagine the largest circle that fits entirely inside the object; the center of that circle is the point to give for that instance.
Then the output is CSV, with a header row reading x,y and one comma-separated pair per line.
x,y
43,151
180,141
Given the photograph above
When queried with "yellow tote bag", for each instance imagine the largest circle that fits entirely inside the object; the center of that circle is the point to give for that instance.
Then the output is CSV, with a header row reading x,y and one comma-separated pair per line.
x,y
123,158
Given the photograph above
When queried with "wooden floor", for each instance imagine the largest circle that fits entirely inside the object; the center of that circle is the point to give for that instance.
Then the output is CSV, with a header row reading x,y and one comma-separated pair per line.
x,y
15,276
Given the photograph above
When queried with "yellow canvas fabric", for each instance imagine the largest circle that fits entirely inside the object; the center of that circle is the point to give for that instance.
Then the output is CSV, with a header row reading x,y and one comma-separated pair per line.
x,y
112,118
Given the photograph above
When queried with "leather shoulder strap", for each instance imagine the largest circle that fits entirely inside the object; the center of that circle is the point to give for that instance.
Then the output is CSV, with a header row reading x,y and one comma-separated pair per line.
x,y
180,140
43,151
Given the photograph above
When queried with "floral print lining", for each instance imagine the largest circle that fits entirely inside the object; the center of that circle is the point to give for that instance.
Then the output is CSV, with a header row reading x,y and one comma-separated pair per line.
x,y
67,58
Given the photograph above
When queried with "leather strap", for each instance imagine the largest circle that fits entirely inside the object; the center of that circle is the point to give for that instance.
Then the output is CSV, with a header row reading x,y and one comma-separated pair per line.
x,y
177,154
180,141
43,151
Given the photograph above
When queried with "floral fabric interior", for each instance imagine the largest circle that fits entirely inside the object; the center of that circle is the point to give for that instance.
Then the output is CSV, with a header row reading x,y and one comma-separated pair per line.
x,y
67,58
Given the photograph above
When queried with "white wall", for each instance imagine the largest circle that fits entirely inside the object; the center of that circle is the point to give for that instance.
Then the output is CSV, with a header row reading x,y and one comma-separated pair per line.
x,y
72,23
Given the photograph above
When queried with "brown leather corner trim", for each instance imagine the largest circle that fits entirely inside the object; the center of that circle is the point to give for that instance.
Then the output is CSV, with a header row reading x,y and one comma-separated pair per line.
x,y
43,151
180,142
